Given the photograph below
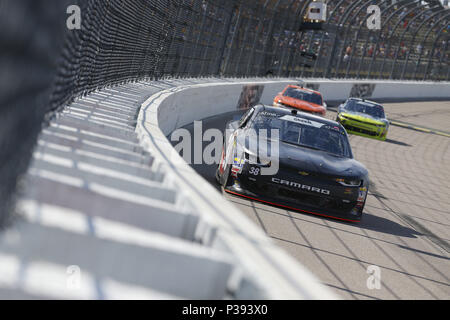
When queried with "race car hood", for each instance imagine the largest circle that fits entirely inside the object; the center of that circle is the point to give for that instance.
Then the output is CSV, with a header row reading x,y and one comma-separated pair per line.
x,y
307,160
319,162
363,117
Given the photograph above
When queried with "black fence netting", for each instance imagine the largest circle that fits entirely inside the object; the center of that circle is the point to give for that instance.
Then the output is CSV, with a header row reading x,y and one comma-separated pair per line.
x,y
47,59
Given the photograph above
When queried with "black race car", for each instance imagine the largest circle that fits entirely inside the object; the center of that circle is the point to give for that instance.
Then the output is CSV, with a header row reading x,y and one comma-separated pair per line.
x,y
293,160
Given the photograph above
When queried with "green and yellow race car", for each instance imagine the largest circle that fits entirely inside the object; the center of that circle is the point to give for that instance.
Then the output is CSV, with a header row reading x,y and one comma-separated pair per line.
x,y
364,118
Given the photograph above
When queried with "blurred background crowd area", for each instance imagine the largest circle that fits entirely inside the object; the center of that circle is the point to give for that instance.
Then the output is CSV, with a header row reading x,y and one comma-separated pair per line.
x,y
415,31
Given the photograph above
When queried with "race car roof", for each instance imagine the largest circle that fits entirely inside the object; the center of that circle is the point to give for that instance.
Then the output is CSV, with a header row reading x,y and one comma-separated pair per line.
x,y
304,89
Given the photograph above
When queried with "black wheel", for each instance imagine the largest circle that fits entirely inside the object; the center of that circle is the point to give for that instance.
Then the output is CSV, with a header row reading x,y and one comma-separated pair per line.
x,y
217,176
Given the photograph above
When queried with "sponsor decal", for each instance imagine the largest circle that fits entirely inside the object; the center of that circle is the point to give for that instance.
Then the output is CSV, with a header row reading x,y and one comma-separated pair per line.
x,y
222,161
237,167
362,90
269,114
250,96
238,162
235,170
303,121
300,186
334,128
361,195
254,171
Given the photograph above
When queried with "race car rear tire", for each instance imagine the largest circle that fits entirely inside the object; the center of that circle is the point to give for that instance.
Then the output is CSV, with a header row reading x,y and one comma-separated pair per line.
x,y
221,180
227,179
217,176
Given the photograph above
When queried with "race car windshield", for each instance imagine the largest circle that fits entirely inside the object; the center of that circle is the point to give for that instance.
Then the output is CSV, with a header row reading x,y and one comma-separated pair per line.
x,y
303,95
306,133
373,110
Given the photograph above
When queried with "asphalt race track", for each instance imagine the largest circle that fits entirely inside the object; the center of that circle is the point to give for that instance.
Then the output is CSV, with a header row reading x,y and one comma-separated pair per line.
x,y
405,229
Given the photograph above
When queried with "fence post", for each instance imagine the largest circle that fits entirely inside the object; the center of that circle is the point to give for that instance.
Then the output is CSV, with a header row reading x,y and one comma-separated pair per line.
x,y
187,32
203,9
283,25
268,36
336,38
233,36
348,30
323,38
259,31
286,47
226,32
244,40
208,43
302,33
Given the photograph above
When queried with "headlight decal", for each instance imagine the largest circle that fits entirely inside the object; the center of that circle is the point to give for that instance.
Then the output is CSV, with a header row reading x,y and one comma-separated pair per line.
x,y
349,182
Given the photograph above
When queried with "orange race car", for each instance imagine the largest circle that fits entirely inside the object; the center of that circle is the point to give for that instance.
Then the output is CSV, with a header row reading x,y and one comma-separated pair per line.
x,y
305,100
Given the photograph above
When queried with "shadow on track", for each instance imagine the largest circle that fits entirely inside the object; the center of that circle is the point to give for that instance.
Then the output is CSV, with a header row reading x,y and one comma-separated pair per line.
x,y
379,224
368,222
399,143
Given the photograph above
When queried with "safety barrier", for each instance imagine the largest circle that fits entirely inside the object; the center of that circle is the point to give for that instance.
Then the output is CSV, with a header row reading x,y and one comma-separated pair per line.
x,y
196,102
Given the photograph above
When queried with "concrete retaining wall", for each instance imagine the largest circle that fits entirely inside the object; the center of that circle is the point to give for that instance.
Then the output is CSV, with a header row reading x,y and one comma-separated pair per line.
x,y
190,103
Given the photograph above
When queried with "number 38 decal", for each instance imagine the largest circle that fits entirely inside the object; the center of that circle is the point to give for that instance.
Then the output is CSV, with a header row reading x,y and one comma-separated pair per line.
x,y
254,171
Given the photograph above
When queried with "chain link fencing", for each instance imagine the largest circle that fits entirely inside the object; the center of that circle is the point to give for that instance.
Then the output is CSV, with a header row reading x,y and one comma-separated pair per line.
x,y
44,65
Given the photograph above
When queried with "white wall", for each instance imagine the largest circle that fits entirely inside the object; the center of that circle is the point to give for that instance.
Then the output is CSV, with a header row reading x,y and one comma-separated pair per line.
x,y
341,89
202,101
